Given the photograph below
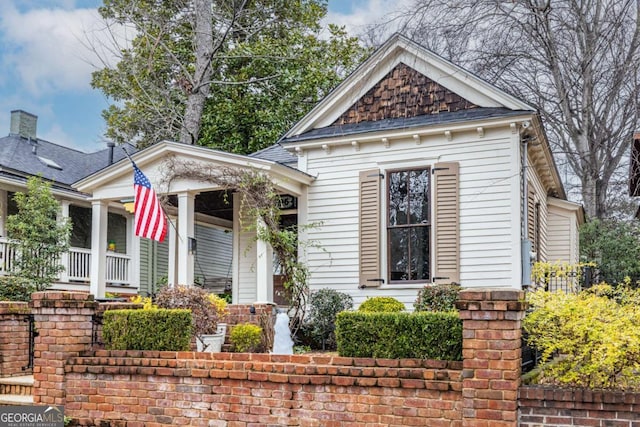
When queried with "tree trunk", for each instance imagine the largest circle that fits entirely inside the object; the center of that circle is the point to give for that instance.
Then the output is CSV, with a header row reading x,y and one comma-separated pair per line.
x,y
197,96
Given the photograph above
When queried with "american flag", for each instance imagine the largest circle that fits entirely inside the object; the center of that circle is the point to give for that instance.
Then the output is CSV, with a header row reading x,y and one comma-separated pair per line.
x,y
150,221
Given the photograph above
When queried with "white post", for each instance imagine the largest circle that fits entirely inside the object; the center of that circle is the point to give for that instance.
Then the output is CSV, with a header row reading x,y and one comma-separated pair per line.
x,y
172,271
186,228
64,257
98,248
133,251
264,268
4,201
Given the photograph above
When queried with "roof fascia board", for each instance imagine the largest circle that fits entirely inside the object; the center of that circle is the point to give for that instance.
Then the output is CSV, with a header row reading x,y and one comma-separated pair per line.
x,y
426,130
381,62
546,148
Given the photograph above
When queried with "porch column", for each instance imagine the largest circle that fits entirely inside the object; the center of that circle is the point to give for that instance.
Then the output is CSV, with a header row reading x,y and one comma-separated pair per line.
x,y
133,252
64,257
264,268
172,273
4,201
186,227
98,248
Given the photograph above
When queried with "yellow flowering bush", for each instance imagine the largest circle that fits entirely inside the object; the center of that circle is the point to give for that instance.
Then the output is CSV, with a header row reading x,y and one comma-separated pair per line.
x,y
587,339
147,302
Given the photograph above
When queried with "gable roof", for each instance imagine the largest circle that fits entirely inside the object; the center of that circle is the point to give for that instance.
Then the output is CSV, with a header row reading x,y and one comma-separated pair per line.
x,y
116,181
420,82
21,158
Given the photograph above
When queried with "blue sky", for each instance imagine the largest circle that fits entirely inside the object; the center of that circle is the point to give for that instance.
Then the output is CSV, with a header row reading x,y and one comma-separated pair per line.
x,y
47,65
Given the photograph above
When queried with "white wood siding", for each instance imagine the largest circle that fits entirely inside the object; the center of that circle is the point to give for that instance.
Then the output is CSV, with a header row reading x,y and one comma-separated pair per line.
x,y
214,252
486,208
563,233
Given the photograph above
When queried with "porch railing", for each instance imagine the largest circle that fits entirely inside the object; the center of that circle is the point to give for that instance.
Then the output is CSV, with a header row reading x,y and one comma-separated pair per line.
x,y
78,262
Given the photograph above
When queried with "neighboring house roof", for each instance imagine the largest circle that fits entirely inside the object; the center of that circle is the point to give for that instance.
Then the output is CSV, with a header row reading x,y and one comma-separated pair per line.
x,y
21,157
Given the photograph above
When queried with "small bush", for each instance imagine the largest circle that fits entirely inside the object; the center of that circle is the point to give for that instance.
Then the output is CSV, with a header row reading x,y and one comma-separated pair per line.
x,y
437,298
381,305
203,306
423,335
14,288
162,329
586,340
324,306
246,337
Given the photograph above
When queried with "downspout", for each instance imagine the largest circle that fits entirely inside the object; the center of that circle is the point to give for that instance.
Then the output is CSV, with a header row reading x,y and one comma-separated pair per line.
x,y
525,246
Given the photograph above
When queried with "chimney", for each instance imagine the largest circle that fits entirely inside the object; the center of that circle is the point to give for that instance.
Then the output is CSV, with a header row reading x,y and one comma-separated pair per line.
x,y
23,124
110,145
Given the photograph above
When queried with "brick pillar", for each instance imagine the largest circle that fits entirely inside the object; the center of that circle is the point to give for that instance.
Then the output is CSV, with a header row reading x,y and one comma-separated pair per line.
x,y
63,320
14,339
491,356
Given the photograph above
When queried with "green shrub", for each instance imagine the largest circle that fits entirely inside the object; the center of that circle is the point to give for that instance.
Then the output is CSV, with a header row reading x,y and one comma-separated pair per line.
x,y
324,306
424,335
14,288
586,340
437,298
246,337
160,329
381,305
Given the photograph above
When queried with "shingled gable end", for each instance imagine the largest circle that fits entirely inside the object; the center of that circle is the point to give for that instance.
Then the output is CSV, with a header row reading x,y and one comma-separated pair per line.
x,y
403,93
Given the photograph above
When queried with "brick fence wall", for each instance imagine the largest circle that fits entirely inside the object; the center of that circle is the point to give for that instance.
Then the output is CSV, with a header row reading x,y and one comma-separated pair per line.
x,y
219,389
14,339
550,406
134,388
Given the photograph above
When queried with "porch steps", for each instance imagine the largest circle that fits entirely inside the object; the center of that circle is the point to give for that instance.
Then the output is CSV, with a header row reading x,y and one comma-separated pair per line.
x,y
16,390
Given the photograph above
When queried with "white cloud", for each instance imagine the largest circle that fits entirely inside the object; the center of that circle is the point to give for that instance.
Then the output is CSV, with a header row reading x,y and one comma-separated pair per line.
x,y
48,48
368,13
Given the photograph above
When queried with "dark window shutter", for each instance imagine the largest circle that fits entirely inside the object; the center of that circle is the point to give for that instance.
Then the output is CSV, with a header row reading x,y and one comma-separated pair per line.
x,y
369,228
446,227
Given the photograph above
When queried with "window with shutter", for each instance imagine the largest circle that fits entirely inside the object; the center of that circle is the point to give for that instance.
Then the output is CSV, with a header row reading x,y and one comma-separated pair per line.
x,y
416,223
369,228
446,223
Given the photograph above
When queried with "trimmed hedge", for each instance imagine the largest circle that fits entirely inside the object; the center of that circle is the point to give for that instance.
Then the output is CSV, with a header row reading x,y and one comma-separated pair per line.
x,y
162,329
381,304
424,335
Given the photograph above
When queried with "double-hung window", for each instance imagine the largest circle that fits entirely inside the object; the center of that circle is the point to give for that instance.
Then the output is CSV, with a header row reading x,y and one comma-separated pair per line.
x,y
408,225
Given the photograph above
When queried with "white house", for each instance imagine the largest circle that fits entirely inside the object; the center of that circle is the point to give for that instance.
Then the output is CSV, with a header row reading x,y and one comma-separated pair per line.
x,y
413,171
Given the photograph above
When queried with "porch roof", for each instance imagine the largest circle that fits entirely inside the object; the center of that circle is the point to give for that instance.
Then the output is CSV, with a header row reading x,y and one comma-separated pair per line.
x,y
116,181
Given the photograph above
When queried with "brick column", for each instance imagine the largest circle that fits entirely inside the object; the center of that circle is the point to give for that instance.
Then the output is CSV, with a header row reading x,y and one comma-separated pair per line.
x,y
491,354
14,339
63,320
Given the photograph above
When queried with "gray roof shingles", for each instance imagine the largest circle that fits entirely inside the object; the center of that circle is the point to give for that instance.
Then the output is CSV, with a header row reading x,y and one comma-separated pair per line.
x,y
19,157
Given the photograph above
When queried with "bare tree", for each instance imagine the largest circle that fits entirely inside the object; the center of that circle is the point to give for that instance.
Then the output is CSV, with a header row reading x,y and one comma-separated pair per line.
x,y
576,61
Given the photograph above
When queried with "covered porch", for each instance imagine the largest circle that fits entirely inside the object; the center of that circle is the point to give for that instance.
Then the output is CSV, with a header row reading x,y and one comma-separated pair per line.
x,y
193,204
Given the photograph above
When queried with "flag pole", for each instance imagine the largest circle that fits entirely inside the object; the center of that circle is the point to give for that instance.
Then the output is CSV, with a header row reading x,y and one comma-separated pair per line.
x,y
161,206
